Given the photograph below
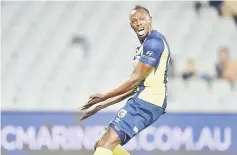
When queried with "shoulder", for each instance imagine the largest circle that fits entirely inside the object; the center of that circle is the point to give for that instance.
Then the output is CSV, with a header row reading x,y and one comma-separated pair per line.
x,y
154,42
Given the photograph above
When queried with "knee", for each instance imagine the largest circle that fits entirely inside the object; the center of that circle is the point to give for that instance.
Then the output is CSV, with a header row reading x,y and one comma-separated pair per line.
x,y
109,140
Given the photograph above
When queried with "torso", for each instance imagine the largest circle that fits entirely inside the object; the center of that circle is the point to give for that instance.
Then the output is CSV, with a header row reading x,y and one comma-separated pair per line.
x,y
153,88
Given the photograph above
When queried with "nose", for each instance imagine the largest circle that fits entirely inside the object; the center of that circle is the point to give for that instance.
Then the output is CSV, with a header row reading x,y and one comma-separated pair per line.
x,y
139,22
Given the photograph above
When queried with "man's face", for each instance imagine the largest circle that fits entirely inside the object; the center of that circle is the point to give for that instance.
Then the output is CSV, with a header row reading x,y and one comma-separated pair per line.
x,y
140,22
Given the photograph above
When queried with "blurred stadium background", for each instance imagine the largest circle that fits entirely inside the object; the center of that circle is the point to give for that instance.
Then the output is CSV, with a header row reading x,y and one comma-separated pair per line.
x,y
55,54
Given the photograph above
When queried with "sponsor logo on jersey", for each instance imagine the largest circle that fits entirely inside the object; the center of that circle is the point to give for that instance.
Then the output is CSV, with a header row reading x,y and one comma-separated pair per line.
x,y
122,113
149,53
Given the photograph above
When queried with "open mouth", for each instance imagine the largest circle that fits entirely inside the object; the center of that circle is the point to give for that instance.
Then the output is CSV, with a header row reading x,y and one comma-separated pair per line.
x,y
141,31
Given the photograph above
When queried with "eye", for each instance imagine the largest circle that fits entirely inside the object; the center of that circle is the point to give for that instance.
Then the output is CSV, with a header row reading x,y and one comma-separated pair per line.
x,y
133,21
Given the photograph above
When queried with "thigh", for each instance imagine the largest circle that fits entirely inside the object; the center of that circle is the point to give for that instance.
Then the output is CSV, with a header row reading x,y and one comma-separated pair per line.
x,y
109,139
133,118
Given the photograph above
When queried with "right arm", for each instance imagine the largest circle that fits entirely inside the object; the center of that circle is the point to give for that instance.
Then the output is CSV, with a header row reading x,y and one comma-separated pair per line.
x,y
118,98
106,103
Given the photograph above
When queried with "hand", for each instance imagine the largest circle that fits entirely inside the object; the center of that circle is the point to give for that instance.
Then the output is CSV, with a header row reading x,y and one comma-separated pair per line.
x,y
91,112
96,98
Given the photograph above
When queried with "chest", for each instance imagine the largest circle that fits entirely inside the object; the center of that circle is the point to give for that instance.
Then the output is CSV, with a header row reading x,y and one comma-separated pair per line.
x,y
138,54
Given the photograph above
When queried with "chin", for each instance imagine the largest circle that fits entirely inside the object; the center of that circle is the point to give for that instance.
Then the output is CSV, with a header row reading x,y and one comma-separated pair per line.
x,y
142,38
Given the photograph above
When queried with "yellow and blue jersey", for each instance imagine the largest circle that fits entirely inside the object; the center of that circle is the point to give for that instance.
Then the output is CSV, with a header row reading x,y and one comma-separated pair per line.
x,y
154,51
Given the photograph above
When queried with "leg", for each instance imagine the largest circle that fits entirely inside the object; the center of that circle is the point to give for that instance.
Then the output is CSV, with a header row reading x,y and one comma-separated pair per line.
x,y
118,150
109,140
107,143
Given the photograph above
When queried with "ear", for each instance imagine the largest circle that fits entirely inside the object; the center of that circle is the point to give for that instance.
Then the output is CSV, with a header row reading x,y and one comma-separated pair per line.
x,y
131,25
151,19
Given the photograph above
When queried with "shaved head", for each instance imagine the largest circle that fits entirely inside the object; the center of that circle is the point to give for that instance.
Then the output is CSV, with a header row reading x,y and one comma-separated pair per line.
x,y
140,21
141,7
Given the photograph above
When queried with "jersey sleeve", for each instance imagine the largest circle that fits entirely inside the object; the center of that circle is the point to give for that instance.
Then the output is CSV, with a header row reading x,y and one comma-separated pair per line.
x,y
152,51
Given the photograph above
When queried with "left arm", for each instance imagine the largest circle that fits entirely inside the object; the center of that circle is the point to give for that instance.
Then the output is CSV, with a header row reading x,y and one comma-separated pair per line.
x,y
140,72
105,104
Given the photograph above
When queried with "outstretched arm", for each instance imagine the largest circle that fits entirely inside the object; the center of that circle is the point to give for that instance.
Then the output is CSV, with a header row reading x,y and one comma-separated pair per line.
x,y
107,103
140,72
118,98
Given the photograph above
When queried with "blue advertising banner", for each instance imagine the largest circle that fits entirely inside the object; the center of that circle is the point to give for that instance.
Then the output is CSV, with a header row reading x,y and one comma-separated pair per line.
x,y
36,131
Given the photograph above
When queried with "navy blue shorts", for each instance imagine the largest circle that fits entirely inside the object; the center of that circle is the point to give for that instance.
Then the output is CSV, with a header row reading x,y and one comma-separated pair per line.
x,y
135,116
